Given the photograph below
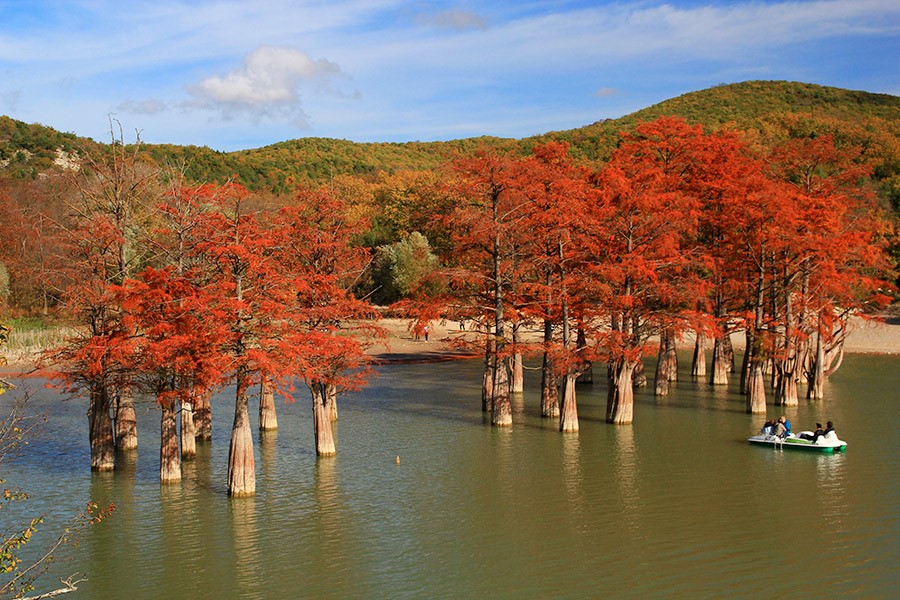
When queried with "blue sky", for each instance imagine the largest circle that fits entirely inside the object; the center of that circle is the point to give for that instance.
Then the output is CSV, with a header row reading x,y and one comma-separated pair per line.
x,y
243,73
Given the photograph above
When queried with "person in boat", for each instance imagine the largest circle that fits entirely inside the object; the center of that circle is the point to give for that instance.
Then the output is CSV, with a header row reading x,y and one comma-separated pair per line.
x,y
829,428
814,435
779,430
767,427
787,425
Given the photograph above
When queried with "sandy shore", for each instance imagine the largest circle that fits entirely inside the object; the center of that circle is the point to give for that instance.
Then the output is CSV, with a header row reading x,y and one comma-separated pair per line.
x,y
400,345
866,337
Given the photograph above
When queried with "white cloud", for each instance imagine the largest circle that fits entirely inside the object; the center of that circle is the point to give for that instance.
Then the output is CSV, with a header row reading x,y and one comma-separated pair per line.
x,y
267,82
605,92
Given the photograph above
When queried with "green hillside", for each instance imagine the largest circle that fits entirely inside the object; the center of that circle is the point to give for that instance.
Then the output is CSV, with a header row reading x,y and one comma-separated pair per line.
x,y
768,110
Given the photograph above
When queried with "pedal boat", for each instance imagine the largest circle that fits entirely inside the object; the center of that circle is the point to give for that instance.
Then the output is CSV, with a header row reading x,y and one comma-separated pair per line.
x,y
827,444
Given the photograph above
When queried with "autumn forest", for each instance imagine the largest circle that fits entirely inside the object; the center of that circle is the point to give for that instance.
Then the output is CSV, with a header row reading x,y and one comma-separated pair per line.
x,y
765,210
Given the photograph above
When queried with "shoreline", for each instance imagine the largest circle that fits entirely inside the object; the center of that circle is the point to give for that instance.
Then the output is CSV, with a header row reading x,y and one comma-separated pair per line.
x,y
881,337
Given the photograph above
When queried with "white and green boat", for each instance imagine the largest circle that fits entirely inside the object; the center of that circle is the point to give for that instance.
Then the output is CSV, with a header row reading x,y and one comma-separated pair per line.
x,y
827,444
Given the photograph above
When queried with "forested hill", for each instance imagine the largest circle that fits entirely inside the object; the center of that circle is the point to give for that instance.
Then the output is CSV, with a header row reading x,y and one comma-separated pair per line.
x,y
768,110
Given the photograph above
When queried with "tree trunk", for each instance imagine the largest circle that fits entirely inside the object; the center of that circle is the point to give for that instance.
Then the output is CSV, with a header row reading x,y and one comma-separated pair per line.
x,y
549,380
698,362
501,412
268,419
188,431
331,401
100,429
745,361
639,375
517,378
587,371
816,386
720,361
487,379
517,373
728,349
322,421
169,456
203,414
756,388
126,421
568,412
241,463
671,356
661,383
620,397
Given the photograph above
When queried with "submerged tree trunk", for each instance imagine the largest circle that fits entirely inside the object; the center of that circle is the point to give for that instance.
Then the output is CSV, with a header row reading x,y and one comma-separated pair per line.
x,y
549,380
568,412
815,389
203,414
169,456
671,356
720,361
188,431
241,463
501,411
268,419
698,362
620,397
100,429
728,350
756,388
517,373
661,383
639,375
126,421
322,421
331,401
487,379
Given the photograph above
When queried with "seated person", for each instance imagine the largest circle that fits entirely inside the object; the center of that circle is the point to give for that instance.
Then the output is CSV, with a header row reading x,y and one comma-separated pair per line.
x,y
780,430
787,425
767,427
829,431
815,435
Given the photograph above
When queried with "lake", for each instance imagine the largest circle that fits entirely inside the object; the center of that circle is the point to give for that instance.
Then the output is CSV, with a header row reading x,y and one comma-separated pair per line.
x,y
676,505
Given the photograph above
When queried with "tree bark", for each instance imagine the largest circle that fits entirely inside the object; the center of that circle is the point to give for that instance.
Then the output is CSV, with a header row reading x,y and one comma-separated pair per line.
x,y
661,383
698,362
169,456
203,415
188,432
816,385
756,388
728,350
487,379
720,361
100,429
639,375
517,373
620,397
501,412
126,421
322,421
268,419
587,372
568,412
241,462
549,380
331,401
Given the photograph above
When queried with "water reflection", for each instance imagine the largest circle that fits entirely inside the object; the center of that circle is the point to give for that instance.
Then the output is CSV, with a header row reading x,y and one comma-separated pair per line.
x,y
626,470
573,473
245,536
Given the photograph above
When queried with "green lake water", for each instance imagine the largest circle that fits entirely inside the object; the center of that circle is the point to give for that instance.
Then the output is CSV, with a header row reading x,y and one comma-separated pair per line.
x,y
678,505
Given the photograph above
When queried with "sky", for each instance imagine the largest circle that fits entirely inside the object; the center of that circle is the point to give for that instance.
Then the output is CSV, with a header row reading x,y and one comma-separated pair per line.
x,y
243,74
